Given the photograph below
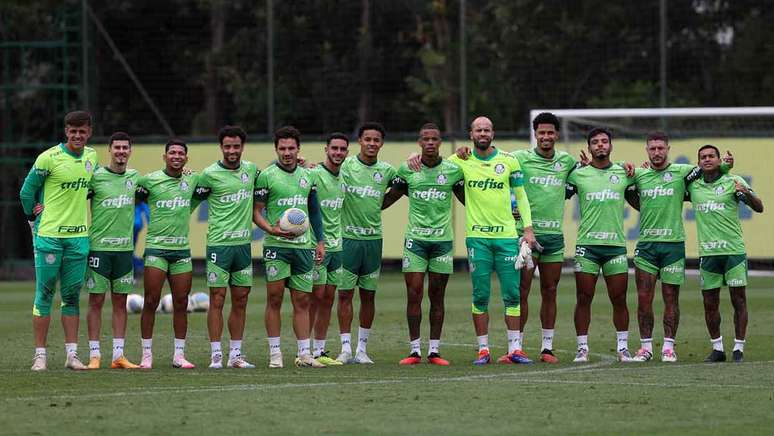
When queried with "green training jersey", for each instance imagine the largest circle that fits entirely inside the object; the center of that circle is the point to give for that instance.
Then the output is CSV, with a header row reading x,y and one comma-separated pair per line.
x,y
170,202
430,199
717,215
229,196
112,209
364,186
601,196
488,183
330,194
545,181
59,180
281,190
661,195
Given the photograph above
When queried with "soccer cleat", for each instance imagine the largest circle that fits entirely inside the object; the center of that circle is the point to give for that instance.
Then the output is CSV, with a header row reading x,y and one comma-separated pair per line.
x,y
716,356
74,363
180,362
436,359
327,360
123,363
216,361
39,362
624,355
307,361
275,360
519,357
147,361
484,358
362,358
412,359
547,356
94,363
642,355
738,356
581,356
668,356
345,357
239,362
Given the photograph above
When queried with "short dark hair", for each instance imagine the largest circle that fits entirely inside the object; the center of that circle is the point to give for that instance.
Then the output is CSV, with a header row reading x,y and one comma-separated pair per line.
x,y
708,146
657,136
596,131
119,136
371,125
336,135
545,118
231,131
176,141
77,119
429,126
285,133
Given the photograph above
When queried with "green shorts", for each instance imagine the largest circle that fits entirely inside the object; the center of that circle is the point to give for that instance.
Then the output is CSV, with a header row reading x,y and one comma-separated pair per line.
x,y
729,270
110,271
553,249
229,265
171,262
294,264
362,264
62,259
433,256
591,258
487,255
665,260
329,271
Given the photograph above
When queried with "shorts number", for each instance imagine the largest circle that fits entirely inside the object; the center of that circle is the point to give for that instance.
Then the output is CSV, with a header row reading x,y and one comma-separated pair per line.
x,y
214,257
580,251
270,254
637,252
409,243
93,262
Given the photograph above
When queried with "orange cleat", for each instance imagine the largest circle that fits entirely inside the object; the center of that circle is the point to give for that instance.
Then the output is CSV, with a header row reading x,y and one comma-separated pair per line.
x,y
412,359
436,359
123,363
547,356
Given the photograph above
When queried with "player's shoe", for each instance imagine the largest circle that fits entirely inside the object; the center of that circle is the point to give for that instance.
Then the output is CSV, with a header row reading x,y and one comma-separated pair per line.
x,y
668,356
39,362
547,356
738,356
642,355
412,359
147,361
519,357
239,362
123,363
716,356
345,357
484,358
182,363
216,361
307,361
582,356
327,360
624,355
74,363
275,360
362,358
94,363
436,359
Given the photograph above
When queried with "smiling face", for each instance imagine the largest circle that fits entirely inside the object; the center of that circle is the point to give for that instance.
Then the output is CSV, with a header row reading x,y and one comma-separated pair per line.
x,y
175,157
371,141
232,148
120,150
546,136
336,151
600,146
482,133
77,136
287,152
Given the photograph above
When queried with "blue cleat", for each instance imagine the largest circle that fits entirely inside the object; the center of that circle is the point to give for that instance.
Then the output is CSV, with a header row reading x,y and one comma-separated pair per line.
x,y
483,358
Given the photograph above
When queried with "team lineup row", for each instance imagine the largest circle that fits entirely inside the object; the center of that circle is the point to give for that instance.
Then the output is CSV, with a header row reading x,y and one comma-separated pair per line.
x,y
506,196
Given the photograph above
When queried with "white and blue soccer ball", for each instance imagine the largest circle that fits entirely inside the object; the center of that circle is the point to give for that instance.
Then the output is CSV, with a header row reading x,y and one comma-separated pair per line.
x,y
166,303
134,303
294,220
200,302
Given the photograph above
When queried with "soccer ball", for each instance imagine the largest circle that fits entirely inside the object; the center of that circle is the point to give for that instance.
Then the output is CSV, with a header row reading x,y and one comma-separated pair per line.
x,y
200,301
166,303
134,303
294,220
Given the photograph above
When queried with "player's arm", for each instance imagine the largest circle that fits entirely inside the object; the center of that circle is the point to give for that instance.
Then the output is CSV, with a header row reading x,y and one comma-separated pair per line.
x,y
522,203
31,189
261,197
632,196
315,219
200,194
569,190
399,188
696,172
459,191
746,195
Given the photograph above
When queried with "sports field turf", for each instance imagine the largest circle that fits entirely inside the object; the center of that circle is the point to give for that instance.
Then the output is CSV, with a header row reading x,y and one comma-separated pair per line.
x,y
601,397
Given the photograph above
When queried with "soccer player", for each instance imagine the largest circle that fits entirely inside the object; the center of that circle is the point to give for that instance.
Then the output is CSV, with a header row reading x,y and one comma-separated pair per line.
x,y
289,259
366,179
110,267
171,195
722,259
59,180
601,188
429,238
327,275
490,177
229,186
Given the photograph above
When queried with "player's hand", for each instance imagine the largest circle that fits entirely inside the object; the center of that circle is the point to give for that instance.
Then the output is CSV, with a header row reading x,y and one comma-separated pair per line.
x,y
629,167
741,188
645,165
529,237
729,159
304,163
277,231
319,253
524,258
463,152
38,209
187,171
414,161
584,159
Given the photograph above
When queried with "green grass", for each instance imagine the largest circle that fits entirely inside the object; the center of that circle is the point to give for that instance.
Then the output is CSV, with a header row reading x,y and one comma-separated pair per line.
x,y
602,397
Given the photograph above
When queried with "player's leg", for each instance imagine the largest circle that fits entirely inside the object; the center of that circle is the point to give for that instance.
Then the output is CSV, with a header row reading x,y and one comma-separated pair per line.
x,y
300,284
121,284
711,272
215,325
415,263
440,267
671,295
646,286
481,266
368,283
587,266
332,273
615,268
736,278
550,272
525,285
505,251
48,259
351,264
277,274
180,285
94,326
154,276
236,327
72,272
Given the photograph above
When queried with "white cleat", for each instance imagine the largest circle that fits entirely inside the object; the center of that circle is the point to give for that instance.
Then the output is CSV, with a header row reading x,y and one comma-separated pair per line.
x,y
642,355
147,361
74,363
582,356
624,356
275,360
345,357
39,362
668,356
239,362
182,363
307,361
362,358
216,362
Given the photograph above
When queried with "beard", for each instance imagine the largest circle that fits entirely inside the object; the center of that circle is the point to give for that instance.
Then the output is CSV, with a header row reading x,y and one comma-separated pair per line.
x,y
482,144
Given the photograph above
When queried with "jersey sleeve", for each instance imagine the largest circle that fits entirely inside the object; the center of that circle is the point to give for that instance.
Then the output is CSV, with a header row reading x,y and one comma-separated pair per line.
x,y
400,181
570,188
391,174
33,183
517,176
262,188
203,187
142,191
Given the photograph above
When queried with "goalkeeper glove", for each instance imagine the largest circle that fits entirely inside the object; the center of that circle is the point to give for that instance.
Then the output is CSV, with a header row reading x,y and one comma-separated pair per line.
x,y
524,257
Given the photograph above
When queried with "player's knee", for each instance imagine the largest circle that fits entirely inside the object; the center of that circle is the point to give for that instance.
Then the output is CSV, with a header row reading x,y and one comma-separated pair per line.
x,y
42,306
480,304
583,299
150,303
70,306
96,301
512,310
274,301
414,296
180,303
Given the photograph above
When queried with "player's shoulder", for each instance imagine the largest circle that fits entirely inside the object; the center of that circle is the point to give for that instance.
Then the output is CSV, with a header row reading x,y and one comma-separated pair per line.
x,y
89,152
211,168
384,165
448,165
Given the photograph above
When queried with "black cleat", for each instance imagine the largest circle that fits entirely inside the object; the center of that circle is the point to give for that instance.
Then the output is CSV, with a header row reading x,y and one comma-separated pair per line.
x,y
716,356
738,356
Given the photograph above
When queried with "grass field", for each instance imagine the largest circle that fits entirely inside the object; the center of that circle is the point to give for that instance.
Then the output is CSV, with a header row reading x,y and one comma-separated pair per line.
x,y
601,397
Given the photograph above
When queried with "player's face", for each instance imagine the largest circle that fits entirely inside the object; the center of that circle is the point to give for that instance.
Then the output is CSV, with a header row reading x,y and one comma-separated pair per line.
x,y
430,141
231,147
482,133
709,160
658,152
600,146
176,157
77,136
287,152
336,151
120,150
371,142
546,136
